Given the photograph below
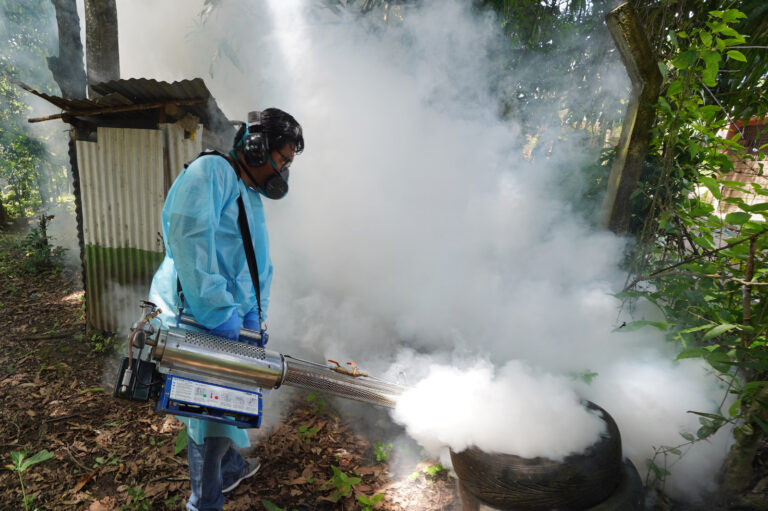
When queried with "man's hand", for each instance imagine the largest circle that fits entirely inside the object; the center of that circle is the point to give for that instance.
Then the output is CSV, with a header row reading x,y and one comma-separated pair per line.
x,y
251,321
230,329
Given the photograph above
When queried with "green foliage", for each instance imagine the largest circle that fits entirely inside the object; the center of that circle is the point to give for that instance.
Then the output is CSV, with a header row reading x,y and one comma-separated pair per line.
x,y
271,506
342,482
102,342
172,502
432,470
112,460
33,162
20,463
306,433
704,268
137,501
317,403
382,450
368,503
39,254
181,441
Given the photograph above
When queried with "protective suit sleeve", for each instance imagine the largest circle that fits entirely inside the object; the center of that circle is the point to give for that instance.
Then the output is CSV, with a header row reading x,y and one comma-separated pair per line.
x,y
192,217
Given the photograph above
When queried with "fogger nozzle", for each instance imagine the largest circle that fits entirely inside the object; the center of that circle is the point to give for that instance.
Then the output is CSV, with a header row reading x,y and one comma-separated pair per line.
x,y
192,354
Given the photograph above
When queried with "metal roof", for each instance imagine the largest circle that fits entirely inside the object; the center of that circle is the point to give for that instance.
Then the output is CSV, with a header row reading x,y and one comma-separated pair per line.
x,y
139,91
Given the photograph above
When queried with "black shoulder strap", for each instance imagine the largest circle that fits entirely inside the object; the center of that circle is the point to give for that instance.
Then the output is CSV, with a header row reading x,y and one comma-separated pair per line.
x,y
245,232
250,255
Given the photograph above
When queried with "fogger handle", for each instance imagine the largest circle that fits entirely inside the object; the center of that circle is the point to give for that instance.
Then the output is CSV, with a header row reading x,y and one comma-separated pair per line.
x,y
246,335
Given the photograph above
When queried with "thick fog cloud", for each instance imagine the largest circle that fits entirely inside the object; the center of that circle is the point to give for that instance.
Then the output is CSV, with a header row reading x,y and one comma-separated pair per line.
x,y
415,232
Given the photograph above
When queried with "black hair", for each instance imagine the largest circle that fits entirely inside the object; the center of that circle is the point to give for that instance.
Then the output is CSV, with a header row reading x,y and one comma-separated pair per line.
x,y
280,128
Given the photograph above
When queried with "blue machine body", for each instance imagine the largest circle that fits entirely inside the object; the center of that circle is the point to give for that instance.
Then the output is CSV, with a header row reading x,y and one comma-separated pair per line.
x,y
213,402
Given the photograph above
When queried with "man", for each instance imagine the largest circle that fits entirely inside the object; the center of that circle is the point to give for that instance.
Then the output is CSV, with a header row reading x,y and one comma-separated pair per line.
x,y
206,272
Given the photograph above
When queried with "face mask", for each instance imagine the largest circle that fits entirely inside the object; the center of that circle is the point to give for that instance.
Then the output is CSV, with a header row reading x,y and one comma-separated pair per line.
x,y
275,186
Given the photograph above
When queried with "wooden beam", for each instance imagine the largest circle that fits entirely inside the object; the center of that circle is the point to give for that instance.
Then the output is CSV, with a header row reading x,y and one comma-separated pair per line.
x,y
118,109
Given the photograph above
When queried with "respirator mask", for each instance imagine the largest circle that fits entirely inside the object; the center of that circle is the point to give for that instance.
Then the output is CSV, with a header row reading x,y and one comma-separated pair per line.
x,y
276,185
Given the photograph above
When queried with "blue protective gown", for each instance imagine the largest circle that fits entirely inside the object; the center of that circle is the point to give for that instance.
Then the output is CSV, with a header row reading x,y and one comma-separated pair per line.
x,y
204,248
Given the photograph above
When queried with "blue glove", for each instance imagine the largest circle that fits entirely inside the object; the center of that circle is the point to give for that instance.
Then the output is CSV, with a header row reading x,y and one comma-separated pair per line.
x,y
230,329
251,321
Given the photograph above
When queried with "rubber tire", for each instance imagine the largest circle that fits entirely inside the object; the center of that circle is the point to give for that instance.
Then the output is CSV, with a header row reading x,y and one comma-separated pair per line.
x,y
539,484
628,496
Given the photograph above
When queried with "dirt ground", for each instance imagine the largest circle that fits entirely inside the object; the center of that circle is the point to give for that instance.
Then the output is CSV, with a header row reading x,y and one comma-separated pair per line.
x,y
115,454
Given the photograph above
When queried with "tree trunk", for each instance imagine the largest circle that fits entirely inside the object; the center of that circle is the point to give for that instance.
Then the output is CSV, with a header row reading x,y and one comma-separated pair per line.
x,y
101,45
67,68
4,216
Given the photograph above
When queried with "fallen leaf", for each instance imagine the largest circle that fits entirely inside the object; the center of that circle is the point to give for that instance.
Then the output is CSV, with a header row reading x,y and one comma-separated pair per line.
x,y
83,481
105,504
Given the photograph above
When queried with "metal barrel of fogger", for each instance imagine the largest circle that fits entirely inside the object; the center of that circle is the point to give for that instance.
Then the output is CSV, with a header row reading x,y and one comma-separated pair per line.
x,y
192,354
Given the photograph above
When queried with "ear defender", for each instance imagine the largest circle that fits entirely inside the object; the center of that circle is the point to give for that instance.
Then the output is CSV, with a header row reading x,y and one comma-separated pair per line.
x,y
254,144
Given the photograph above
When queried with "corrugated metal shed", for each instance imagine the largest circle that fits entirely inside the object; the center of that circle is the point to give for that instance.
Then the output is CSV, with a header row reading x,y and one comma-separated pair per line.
x,y
124,177
130,145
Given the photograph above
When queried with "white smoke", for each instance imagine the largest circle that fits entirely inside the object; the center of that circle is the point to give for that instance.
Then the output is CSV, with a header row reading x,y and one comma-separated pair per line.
x,y
521,410
414,225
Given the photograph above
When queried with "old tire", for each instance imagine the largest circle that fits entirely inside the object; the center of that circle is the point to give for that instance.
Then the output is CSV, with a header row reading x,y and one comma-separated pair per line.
x,y
538,484
628,496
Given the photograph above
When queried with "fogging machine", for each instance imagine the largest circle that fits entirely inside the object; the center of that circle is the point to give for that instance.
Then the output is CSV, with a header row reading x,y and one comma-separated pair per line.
x,y
196,374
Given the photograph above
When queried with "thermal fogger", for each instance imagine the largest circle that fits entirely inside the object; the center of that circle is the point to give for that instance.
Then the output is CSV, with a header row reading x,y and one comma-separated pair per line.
x,y
196,374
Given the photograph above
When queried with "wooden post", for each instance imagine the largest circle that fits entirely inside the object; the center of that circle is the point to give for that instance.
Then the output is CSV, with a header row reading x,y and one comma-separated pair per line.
x,y
644,74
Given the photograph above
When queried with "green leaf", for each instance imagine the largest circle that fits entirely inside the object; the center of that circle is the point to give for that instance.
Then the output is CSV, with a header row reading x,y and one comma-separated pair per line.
x,y
695,328
712,185
713,416
721,44
663,70
706,38
18,457
712,66
736,55
717,330
735,408
674,88
708,112
181,441
716,14
736,185
688,436
760,423
730,32
737,218
732,15
37,458
686,59
731,41
270,506
756,208
691,353
659,472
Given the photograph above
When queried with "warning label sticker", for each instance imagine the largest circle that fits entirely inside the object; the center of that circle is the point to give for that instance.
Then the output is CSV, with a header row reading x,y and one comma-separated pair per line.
x,y
206,394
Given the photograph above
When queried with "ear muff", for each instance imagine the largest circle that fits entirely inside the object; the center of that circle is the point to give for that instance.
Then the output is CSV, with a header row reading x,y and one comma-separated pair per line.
x,y
254,143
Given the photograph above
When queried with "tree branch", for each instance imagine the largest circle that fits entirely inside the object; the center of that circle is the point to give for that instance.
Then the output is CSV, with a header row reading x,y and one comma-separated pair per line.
x,y
695,258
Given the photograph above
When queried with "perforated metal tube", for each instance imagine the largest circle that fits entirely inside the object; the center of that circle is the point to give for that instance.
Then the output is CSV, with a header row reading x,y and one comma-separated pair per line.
x,y
308,375
196,354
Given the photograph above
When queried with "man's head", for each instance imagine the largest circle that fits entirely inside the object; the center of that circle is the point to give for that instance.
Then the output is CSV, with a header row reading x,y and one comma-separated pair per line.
x,y
266,146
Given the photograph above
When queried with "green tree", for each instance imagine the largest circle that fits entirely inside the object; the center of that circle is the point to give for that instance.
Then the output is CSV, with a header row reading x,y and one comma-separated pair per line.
x,y
30,174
